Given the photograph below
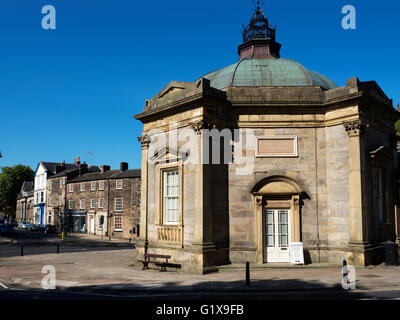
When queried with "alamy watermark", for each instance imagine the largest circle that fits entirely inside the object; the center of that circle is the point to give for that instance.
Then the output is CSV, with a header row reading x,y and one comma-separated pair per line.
x,y
49,20
202,145
49,280
349,20
349,277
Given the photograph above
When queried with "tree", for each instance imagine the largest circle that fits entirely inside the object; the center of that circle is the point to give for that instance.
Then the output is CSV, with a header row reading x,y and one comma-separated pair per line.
x,y
397,124
11,180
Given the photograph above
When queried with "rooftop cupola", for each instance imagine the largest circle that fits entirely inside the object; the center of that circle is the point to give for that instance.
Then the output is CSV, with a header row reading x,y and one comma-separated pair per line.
x,y
259,38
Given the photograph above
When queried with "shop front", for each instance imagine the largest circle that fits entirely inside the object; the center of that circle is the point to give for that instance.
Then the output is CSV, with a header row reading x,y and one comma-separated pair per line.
x,y
76,221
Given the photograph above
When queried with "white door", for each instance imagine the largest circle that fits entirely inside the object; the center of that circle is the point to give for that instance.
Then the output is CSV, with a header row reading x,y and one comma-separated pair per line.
x,y
276,235
92,224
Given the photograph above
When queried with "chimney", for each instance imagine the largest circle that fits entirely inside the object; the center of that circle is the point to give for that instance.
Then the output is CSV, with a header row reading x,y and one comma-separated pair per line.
x,y
60,167
83,168
104,168
123,166
77,161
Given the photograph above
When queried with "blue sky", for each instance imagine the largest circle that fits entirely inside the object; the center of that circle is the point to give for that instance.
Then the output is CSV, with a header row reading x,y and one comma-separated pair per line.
x,y
75,89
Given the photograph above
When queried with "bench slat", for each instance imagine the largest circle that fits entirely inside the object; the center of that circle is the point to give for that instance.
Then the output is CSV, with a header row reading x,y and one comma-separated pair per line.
x,y
149,255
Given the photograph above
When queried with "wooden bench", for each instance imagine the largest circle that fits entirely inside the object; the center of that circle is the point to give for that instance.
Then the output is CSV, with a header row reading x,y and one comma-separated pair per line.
x,y
148,259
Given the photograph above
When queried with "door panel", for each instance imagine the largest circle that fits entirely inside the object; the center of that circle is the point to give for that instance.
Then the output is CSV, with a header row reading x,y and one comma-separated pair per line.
x,y
276,235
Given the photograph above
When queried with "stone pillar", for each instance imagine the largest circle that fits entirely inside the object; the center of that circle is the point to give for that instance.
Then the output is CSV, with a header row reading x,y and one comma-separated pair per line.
x,y
259,229
397,222
142,241
358,243
295,214
203,248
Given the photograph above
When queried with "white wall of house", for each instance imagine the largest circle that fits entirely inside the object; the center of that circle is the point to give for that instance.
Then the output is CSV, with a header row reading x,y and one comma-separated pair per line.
x,y
40,184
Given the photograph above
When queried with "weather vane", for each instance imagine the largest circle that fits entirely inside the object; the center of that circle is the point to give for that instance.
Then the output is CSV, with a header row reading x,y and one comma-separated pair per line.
x,y
258,2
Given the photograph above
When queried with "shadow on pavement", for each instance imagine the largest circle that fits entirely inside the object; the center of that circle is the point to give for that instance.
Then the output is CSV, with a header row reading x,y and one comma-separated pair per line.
x,y
32,243
265,289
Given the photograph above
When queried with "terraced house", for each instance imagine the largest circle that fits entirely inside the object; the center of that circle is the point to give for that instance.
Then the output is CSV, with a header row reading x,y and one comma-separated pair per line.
x,y
56,186
105,202
24,210
44,171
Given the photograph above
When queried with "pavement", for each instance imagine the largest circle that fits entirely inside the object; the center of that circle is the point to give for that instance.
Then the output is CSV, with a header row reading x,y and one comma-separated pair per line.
x,y
96,268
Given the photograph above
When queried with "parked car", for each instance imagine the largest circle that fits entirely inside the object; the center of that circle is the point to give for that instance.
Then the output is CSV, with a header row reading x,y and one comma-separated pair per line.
x,y
13,223
6,229
49,229
33,227
23,225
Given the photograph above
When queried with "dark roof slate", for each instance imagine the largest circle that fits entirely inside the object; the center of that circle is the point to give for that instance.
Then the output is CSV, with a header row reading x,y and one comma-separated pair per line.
x,y
111,174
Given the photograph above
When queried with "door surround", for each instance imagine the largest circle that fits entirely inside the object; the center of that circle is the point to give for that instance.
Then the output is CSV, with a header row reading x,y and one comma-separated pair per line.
x,y
276,192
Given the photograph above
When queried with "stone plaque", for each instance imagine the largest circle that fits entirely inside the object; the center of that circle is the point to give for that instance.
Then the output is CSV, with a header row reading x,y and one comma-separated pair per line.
x,y
277,146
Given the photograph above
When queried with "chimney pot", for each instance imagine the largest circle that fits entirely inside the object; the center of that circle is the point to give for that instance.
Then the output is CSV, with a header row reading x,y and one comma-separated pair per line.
x,y
104,168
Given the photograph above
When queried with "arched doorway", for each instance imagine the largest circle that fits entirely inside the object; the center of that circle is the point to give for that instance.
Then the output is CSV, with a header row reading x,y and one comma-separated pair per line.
x,y
277,214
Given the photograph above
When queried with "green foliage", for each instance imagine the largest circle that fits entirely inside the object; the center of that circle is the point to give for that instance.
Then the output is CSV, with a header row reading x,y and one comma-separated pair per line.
x,y
11,180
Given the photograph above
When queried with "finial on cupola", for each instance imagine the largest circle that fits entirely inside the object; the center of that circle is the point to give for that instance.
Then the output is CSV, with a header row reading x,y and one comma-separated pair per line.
x,y
259,38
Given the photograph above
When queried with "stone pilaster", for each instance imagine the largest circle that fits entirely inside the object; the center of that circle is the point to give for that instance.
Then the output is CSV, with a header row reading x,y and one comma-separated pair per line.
x,y
397,222
357,253
259,229
142,242
295,210
202,247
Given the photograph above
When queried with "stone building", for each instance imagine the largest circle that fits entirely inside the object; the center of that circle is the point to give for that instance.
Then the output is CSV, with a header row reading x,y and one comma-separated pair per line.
x,y
56,186
44,171
312,163
105,202
24,211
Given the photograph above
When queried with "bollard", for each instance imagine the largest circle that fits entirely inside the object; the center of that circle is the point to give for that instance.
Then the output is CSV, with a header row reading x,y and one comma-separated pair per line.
x,y
58,248
22,250
247,273
62,235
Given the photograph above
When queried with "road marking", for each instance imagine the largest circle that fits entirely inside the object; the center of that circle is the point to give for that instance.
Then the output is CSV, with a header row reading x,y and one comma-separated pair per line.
x,y
5,287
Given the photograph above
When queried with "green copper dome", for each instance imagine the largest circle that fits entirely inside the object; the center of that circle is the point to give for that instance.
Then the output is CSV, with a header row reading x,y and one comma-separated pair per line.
x,y
269,72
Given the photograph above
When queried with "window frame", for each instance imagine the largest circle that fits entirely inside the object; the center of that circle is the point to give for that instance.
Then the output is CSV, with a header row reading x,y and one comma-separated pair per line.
x,y
379,191
82,207
92,203
121,223
92,185
115,204
101,185
118,184
82,187
162,168
70,204
102,203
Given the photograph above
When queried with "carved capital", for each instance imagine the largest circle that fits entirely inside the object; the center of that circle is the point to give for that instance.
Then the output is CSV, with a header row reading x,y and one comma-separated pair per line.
x,y
258,201
145,141
202,124
356,127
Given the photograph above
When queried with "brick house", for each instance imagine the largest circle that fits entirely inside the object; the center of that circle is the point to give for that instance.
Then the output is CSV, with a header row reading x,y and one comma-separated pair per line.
x,y
105,202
